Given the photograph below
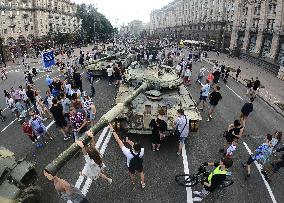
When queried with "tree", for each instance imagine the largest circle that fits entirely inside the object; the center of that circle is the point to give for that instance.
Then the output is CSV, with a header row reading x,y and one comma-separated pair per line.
x,y
94,24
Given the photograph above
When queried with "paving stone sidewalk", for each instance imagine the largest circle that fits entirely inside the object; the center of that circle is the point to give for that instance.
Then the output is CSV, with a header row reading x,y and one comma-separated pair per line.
x,y
273,91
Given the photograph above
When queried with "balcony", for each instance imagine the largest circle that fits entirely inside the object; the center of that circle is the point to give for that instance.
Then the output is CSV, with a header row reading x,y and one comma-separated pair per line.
x,y
56,17
268,30
12,25
50,16
24,1
25,15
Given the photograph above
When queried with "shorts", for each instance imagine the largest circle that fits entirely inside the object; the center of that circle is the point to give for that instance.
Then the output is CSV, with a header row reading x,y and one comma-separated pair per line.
x,y
61,123
91,115
243,116
204,98
250,160
182,140
212,106
132,171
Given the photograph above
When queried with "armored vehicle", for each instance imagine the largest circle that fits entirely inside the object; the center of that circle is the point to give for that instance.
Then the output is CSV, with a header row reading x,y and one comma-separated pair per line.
x,y
99,67
166,92
17,178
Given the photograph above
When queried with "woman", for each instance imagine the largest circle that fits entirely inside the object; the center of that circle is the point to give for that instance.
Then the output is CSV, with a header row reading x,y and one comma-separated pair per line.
x,y
41,107
233,133
94,165
159,126
187,75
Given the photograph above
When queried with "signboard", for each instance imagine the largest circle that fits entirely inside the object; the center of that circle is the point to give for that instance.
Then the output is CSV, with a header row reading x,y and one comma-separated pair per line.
x,y
48,59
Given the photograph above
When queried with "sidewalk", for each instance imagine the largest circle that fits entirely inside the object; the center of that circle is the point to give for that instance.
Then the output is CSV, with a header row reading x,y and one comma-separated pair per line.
x,y
273,91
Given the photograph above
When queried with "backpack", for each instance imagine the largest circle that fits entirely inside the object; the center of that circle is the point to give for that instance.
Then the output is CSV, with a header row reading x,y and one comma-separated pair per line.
x,y
136,162
36,124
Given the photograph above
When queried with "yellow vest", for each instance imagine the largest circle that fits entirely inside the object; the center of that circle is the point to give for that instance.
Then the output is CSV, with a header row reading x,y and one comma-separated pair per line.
x,y
216,172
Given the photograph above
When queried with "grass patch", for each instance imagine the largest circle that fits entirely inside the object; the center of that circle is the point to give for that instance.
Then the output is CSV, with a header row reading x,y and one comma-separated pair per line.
x,y
281,106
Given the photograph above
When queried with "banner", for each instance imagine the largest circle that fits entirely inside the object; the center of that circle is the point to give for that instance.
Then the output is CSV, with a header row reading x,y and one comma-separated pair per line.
x,y
48,59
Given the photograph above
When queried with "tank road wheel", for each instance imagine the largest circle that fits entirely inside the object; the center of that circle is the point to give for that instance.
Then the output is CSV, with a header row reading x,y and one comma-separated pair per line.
x,y
194,126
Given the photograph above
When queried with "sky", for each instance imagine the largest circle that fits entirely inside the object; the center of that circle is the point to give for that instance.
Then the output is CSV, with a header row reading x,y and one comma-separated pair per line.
x,y
124,11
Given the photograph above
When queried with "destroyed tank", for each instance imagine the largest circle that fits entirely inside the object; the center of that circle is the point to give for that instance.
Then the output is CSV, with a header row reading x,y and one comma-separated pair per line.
x,y
99,67
166,92
17,178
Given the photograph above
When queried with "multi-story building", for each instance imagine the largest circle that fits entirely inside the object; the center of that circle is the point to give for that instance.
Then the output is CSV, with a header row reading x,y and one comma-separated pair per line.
x,y
22,20
258,32
207,20
135,27
252,28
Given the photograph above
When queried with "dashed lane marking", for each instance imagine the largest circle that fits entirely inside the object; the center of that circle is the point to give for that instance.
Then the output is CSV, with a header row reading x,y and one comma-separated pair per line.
x,y
259,167
186,171
234,92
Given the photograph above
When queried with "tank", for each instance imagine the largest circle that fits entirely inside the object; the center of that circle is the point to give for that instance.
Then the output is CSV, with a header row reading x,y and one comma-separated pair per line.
x,y
166,92
17,179
99,67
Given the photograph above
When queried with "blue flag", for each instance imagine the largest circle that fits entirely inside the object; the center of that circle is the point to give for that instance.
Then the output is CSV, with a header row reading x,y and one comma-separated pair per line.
x,y
48,59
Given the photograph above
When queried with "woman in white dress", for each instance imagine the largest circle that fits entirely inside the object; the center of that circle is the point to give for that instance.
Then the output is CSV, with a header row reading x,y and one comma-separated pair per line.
x,y
94,165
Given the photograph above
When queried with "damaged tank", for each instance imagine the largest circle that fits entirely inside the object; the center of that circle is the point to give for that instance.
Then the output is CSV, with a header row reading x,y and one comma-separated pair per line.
x,y
99,67
17,179
167,92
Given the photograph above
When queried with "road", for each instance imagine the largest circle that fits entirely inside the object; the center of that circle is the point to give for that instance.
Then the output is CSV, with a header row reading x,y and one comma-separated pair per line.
x,y
162,166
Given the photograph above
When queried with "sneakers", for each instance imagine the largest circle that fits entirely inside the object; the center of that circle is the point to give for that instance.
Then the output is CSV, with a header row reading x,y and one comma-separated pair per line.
x,y
197,193
67,138
158,149
197,199
109,180
153,149
178,153
143,185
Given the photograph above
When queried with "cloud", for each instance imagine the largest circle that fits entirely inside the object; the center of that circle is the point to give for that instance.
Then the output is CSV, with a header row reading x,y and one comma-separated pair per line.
x,y
124,11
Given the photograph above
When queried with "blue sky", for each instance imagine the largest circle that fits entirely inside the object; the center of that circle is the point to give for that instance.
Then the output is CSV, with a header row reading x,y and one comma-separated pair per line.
x,y
124,11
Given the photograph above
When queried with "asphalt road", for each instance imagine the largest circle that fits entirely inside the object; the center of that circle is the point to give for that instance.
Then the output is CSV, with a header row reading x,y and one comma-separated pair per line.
x,y
160,167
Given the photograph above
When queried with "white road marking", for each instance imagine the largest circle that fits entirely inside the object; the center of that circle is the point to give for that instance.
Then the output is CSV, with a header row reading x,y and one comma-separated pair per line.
x,y
186,171
234,92
259,167
49,125
8,125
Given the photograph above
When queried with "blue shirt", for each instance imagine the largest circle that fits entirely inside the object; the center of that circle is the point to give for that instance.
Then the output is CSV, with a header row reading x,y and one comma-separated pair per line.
x,y
48,81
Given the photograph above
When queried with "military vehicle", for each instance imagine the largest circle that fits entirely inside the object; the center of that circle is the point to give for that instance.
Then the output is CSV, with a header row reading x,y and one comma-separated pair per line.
x,y
17,178
167,92
99,67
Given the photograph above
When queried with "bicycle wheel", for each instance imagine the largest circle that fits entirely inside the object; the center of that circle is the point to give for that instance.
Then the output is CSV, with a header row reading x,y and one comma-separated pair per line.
x,y
186,180
227,183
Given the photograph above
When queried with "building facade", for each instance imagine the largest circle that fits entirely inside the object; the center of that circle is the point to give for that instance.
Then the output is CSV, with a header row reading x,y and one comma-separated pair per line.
x,y
252,28
23,20
206,20
258,32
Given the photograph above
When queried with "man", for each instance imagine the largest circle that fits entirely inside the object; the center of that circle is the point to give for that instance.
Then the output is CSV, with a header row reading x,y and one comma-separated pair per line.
x,y
214,99
134,157
78,80
200,75
65,190
216,75
256,85
109,74
245,111
262,153
181,126
49,81
215,178
204,94
66,103
58,116
238,73
31,96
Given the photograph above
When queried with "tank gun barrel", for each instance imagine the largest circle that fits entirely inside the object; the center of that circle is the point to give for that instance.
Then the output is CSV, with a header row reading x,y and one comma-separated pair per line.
x,y
66,155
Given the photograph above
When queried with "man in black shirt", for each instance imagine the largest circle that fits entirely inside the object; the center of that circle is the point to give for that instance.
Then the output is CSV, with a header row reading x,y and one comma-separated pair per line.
x,y
256,85
214,98
245,111
58,116
31,96
238,73
78,80
215,178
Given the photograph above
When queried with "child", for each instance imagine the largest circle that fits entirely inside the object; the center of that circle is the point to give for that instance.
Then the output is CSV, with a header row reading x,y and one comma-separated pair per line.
x,y
231,150
27,129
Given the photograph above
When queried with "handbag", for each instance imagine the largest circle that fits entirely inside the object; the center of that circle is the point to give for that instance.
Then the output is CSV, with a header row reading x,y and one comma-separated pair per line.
x,y
176,132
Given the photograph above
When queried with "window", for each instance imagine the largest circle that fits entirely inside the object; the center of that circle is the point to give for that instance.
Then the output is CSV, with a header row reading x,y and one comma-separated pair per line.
x,y
147,109
18,13
2,13
32,27
5,31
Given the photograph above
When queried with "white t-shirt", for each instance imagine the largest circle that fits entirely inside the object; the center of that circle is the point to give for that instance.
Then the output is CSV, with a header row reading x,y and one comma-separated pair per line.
x,y
182,126
205,90
91,169
231,150
109,72
23,94
128,154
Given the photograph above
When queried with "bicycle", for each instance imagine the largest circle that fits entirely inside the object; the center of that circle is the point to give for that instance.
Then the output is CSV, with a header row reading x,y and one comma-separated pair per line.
x,y
192,180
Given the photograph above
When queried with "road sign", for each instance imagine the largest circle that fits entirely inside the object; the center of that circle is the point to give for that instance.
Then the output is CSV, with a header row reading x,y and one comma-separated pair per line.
x,y
48,59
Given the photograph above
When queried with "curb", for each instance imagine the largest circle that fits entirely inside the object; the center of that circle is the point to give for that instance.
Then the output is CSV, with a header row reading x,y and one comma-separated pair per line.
x,y
273,106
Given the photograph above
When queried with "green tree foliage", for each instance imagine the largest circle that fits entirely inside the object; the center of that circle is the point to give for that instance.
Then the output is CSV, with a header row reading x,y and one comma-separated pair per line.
x,y
94,24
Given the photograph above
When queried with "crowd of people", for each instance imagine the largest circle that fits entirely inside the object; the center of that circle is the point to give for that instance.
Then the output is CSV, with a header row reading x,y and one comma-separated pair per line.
x,y
74,112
